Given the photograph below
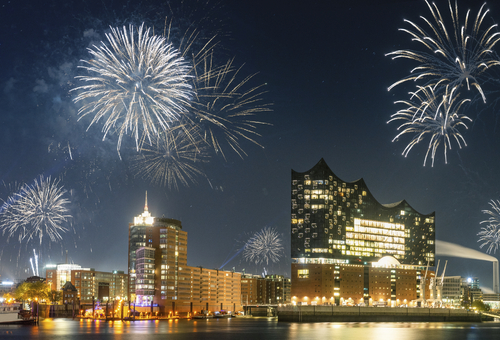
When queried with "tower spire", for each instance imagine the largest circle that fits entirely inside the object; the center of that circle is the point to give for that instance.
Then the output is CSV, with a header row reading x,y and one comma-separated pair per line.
x,y
146,204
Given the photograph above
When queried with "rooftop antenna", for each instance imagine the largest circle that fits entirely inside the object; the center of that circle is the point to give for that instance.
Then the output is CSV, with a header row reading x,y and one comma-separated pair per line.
x,y
146,204
66,256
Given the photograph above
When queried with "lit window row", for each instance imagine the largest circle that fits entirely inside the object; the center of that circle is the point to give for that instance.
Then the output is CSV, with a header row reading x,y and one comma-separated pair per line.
x,y
377,238
320,250
378,231
389,245
377,224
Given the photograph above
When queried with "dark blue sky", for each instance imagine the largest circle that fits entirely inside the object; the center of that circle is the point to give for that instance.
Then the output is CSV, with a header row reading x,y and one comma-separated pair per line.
x,y
327,78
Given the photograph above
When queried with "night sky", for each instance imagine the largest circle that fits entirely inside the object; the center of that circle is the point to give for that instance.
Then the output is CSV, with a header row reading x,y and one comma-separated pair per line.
x,y
327,75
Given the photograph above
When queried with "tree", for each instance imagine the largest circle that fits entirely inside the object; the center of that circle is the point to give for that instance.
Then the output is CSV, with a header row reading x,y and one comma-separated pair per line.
x,y
38,291
479,305
55,296
8,298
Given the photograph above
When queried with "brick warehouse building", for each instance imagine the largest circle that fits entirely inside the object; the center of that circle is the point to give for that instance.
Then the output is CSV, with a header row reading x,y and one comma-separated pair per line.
x,y
271,289
346,247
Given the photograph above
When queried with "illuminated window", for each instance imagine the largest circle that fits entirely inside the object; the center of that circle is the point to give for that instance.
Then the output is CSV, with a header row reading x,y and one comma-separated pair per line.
x,y
303,273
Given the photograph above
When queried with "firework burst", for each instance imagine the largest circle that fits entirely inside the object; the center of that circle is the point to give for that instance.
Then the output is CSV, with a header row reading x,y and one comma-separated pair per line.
x,y
173,158
264,246
461,55
36,210
490,234
138,84
436,116
224,107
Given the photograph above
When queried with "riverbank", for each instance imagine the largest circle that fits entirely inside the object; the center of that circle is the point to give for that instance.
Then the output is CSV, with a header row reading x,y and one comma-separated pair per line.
x,y
373,314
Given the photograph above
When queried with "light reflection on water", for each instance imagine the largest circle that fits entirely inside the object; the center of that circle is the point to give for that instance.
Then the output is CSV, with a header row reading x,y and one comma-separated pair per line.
x,y
242,329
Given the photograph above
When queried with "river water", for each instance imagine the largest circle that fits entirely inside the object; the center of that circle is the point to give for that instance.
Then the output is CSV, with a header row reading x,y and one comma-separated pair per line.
x,y
249,328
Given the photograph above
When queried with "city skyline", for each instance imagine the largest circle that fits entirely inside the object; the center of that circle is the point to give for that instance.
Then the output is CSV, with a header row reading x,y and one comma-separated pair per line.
x,y
326,75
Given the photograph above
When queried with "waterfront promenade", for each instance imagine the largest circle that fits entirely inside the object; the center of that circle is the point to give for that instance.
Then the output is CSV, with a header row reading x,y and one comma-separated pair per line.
x,y
374,314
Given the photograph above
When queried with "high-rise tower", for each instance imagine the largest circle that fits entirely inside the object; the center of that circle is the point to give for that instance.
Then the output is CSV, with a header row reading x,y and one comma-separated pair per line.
x,y
157,248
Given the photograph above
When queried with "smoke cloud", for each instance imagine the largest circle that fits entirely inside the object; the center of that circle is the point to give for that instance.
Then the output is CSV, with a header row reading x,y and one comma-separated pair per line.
x,y
444,248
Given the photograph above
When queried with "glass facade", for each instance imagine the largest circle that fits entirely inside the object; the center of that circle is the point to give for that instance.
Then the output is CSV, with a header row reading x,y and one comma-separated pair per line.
x,y
335,219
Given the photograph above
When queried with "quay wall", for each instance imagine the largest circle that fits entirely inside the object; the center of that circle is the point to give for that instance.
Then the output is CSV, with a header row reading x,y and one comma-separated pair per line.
x,y
373,314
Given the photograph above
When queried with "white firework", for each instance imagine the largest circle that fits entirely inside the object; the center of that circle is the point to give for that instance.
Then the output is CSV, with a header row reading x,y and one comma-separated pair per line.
x,y
174,157
225,108
36,210
137,83
490,234
264,246
451,56
432,115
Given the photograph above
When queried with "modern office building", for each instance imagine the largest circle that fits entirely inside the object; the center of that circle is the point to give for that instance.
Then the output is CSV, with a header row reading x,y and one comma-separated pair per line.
x,y
160,278
492,300
346,245
471,290
453,291
58,275
458,290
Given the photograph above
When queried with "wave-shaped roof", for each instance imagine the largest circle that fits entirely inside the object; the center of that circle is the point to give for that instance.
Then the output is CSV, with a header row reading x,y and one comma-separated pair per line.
x,y
322,167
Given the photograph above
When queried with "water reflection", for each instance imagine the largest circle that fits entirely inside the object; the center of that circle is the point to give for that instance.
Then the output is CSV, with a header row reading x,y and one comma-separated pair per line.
x,y
385,331
243,329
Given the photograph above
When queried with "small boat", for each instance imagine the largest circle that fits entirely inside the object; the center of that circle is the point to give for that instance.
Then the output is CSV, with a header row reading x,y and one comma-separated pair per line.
x,y
222,314
203,315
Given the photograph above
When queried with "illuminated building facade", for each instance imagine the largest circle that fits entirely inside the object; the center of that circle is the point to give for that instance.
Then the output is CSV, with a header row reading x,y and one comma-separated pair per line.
x,y
160,277
206,289
271,289
157,248
58,275
88,281
346,245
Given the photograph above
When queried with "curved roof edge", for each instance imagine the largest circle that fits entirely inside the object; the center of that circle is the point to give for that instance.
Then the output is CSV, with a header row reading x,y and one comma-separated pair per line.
x,y
322,163
388,260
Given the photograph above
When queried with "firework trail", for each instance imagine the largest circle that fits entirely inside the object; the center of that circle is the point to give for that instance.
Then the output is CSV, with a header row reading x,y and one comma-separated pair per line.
x,y
490,234
264,246
436,116
137,84
452,57
224,107
36,210
173,158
